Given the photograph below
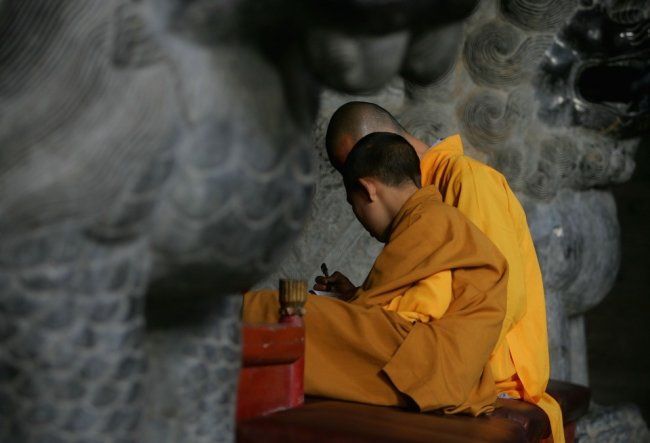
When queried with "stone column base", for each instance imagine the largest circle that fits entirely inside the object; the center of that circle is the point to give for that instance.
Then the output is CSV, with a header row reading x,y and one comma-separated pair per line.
x,y
612,424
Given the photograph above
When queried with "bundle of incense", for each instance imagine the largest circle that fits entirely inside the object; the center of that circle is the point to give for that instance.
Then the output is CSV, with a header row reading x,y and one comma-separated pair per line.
x,y
293,296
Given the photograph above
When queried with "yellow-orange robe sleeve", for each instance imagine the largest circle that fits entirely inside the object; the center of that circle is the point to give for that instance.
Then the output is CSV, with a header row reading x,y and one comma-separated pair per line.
x,y
427,300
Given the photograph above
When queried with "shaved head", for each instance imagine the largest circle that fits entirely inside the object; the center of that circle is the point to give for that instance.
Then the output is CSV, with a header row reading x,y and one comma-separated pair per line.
x,y
353,121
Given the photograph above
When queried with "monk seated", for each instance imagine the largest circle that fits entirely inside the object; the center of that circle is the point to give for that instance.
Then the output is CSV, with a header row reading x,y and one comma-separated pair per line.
x,y
268,383
422,328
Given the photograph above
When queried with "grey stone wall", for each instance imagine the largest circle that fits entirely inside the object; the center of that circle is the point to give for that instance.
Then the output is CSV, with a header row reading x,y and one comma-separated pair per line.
x,y
154,163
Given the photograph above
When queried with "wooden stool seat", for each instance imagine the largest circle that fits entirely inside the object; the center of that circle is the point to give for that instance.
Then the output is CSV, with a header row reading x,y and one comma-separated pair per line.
x,y
338,421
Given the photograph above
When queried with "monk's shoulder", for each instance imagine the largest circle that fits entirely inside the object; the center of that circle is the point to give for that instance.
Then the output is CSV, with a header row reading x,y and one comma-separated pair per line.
x,y
443,216
434,210
436,222
449,169
467,166
449,161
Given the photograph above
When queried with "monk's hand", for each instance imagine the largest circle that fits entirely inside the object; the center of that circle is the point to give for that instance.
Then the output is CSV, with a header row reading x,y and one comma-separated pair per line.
x,y
337,283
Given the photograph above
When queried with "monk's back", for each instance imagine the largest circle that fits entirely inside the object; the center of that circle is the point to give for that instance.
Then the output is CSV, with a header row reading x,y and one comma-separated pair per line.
x,y
520,362
482,194
445,166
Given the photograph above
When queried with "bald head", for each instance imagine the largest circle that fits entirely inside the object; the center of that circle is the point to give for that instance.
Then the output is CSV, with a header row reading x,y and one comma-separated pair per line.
x,y
353,121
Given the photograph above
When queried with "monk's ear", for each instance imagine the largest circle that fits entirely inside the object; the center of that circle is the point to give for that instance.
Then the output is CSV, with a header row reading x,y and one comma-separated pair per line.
x,y
369,188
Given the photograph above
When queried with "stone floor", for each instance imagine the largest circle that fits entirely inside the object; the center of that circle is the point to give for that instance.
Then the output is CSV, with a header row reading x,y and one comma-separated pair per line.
x,y
618,330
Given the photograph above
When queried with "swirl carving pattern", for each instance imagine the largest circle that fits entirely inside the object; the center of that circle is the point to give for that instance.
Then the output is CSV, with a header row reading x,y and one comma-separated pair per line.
x,y
155,161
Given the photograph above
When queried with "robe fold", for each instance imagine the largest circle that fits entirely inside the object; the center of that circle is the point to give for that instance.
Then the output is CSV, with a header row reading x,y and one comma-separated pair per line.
x,y
520,363
428,299
359,351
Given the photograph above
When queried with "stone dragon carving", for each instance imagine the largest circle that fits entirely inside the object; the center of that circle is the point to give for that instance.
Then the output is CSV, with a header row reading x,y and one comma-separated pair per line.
x,y
155,160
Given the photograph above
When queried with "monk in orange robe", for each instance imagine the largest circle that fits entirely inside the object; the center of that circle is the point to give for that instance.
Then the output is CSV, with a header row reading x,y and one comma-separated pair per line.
x,y
367,350
520,361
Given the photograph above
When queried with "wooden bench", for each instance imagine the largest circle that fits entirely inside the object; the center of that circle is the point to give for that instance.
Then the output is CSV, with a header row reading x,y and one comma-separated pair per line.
x,y
322,420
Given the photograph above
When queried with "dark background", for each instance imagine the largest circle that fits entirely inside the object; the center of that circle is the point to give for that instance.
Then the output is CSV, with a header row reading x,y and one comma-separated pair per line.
x,y
618,329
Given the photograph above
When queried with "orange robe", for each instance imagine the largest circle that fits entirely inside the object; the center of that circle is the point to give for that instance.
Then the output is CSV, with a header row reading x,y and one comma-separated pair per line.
x,y
359,351
426,300
520,363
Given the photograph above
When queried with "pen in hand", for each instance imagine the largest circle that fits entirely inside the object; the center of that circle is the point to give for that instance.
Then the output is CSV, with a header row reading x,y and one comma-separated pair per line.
x,y
336,283
326,273
323,268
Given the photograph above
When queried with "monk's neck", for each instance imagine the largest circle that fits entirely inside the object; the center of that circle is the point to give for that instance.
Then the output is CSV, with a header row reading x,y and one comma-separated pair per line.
x,y
398,197
420,147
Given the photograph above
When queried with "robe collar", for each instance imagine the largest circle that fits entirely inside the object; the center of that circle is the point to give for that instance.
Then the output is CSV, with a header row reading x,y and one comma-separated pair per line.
x,y
453,143
425,194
